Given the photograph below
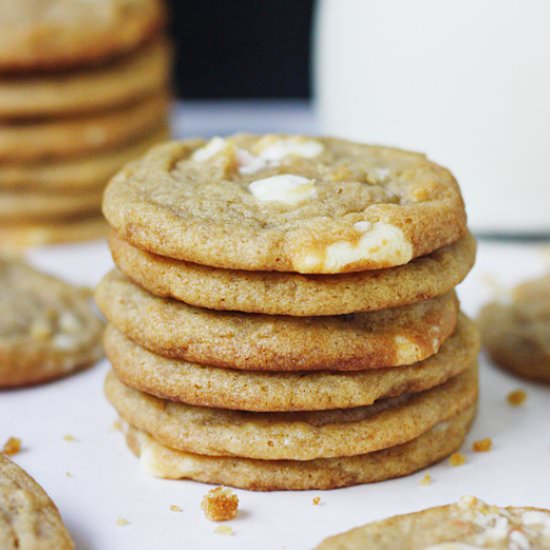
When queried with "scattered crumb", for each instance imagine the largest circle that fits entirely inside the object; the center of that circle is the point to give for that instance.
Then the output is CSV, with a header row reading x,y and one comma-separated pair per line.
x,y
69,438
220,504
68,474
117,426
226,530
316,501
175,508
12,446
517,398
482,445
122,522
426,480
457,459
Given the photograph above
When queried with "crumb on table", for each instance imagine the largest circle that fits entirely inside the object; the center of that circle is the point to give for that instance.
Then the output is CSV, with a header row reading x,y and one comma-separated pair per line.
x,y
517,398
122,522
457,459
223,530
426,480
482,445
69,438
12,446
316,501
175,508
220,504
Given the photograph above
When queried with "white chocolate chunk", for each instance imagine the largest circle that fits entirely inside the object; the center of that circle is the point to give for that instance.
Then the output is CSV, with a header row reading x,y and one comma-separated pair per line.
x,y
249,163
407,351
291,146
213,147
286,188
362,227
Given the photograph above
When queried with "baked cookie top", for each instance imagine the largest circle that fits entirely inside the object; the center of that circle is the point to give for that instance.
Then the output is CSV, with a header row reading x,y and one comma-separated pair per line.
x,y
47,327
286,203
28,517
516,332
470,524
52,34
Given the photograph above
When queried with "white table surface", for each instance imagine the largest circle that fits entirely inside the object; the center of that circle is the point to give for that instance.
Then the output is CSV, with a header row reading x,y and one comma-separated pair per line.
x,y
106,481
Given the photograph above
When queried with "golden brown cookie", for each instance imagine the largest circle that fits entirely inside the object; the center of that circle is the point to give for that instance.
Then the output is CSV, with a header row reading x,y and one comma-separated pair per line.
x,y
66,137
276,391
89,172
292,435
468,524
48,328
516,333
286,203
54,34
33,206
386,338
25,235
299,475
276,293
29,520
141,73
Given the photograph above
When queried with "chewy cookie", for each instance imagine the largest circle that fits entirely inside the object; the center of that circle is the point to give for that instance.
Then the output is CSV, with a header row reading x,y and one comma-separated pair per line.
x,y
300,475
275,293
466,525
47,327
517,334
284,391
46,34
286,203
29,519
391,337
293,435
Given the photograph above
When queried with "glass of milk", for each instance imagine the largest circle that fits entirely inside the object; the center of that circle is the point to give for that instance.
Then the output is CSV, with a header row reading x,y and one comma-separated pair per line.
x,y
466,81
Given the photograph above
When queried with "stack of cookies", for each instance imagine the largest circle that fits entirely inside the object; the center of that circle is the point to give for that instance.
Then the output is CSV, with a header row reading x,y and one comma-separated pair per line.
x,y
83,90
283,315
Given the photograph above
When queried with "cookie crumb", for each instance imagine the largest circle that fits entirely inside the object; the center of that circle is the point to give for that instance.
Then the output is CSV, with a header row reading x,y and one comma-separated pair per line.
x,y
482,445
175,508
517,398
426,480
226,530
69,438
220,504
68,474
457,459
122,522
12,446
117,426
316,501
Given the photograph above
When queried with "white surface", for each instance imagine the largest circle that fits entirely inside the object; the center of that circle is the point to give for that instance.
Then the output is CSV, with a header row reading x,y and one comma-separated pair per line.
x,y
107,483
463,80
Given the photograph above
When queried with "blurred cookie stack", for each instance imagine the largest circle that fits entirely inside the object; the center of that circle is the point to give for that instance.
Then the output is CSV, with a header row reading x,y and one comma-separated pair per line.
x,y
83,90
283,314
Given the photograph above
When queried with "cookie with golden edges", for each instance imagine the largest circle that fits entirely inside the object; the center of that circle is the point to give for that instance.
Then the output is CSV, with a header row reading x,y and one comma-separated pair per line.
x,y
286,203
392,337
293,475
48,328
516,334
468,524
292,435
57,34
276,391
81,135
276,293
28,517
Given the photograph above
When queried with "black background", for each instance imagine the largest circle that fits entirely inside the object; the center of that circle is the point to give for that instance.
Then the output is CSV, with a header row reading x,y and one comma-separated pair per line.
x,y
241,48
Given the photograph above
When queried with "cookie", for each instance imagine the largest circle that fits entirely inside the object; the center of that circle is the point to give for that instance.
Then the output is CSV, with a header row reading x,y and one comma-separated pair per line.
x,y
89,172
25,235
259,391
468,524
392,337
292,435
34,206
286,203
276,293
323,473
29,520
516,334
48,328
141,73
65,137
55,34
